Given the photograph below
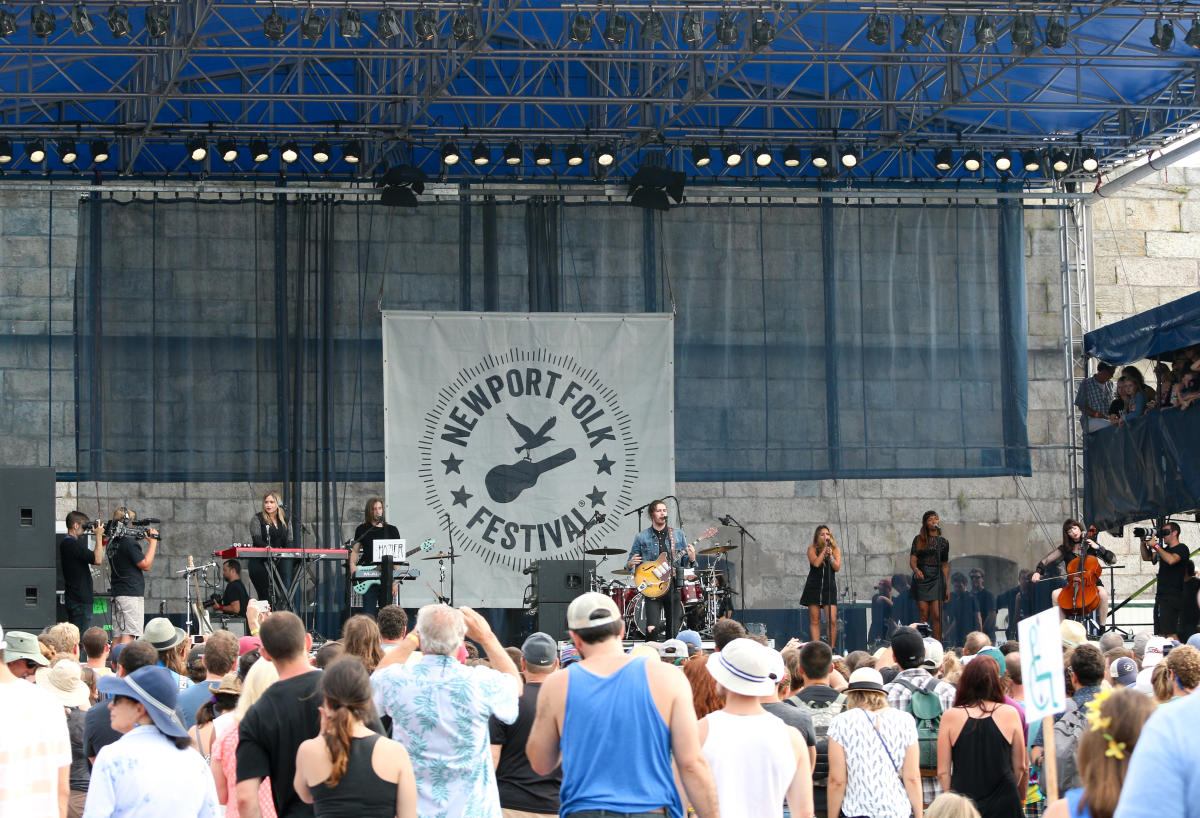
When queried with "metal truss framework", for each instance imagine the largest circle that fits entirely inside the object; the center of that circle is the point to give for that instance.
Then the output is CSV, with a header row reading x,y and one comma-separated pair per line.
x,y
1074,243
820,82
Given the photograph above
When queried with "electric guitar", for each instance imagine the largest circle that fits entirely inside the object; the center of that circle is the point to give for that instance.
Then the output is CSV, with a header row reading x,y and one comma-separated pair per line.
x,y
653,579
198,603
365,585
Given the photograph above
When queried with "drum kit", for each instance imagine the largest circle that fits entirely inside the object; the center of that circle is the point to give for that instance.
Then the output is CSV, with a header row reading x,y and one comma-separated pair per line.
x,y
704,592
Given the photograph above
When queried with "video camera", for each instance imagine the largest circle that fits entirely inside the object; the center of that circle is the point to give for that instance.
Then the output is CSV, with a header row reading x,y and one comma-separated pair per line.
x,y
134,529
1148,534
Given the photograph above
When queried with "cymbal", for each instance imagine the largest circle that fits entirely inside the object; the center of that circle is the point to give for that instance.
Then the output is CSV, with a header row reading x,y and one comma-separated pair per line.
x,y
622,572
604,552
718,549
442,555
708,570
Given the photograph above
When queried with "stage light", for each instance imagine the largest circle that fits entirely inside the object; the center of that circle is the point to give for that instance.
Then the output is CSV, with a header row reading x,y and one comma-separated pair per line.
x,y
1002,161
41,21
732,155
543,155
481,154
950,32
274,26
850,156
652,27
914,30
158,20
762,31
290,152
1060,160
81,22
36,151
879,29
1088,160
701,155
1022,32
350,23
512,153
581,27
8,23
691,30
100,152
118,20
616,27
312,24
197,149
574,154
450,154
792,157
352,151
1163,37
821,158
725,29
985,30
943,160
1056,32
66,151
321,152
401,184
653,187
1192,38
606,155
387,25
1031,161
227,150
425,25
973,160
462,27
762,156
6,150
260,151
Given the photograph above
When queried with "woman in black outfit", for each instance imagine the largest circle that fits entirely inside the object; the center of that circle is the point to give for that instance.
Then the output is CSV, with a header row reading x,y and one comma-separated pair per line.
x,y
349,771
373,527
820,590
929,559
269,529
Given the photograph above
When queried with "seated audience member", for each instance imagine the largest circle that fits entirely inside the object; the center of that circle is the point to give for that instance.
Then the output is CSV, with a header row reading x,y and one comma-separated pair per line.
x,y
256,679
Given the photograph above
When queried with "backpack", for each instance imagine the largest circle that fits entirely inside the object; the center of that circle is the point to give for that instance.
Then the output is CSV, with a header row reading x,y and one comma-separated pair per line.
x,y
926,709
1067,731
822,714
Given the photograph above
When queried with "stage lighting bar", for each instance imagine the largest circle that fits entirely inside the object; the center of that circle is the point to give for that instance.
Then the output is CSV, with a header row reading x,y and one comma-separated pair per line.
x,y
67,153
81,22
701,155
606,155
118,20
352,151
450,154
322,152
227,150
481,155
260,151
100,152
41,21
575,155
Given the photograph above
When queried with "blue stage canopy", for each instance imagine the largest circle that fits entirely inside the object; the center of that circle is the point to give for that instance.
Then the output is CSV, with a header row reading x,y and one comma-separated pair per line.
x,y
1147,334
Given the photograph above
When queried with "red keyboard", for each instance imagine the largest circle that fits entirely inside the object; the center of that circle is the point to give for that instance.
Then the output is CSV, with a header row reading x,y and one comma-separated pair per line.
x,y
237,551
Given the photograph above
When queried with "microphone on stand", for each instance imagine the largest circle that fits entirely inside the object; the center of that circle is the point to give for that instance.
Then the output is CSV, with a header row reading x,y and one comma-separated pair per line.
x,y
726,520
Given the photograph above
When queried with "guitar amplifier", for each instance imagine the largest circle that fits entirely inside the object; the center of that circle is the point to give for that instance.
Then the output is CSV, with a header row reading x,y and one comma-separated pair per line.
x,y
561,580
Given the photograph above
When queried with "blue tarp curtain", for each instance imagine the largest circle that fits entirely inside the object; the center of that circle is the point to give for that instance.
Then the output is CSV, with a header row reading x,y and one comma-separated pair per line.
x,y
1148,334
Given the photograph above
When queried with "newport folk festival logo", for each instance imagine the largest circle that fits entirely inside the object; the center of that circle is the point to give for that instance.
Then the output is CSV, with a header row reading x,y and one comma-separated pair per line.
x,y
523,451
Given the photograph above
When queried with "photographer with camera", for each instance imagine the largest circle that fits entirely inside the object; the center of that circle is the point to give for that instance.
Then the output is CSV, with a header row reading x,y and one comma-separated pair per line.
x,y
236,598
77,561
129,562
1171,556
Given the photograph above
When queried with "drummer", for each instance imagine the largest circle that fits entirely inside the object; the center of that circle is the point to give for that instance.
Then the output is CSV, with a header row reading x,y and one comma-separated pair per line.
x,y
658,539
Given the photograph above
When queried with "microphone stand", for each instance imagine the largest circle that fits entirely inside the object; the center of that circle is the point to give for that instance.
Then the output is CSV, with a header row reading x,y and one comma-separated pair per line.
x,y
450,539
728,519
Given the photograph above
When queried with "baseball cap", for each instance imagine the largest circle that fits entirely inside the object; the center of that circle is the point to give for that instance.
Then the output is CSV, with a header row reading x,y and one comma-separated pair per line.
x,y
539,650
934,653
1155,649
908,648
1125,671
591,610
693,641
673,649
996,656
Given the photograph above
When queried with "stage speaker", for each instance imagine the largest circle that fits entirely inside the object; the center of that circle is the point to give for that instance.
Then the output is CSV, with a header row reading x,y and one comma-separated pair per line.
x,y
552,619
853,635
27,598
27,519
562,580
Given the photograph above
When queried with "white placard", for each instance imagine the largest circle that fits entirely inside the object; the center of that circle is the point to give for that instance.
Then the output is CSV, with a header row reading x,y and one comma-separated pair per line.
x,y
1042,665
396,549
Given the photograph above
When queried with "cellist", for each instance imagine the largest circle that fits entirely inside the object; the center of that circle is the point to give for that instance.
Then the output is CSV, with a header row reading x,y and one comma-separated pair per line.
x,y
1074,544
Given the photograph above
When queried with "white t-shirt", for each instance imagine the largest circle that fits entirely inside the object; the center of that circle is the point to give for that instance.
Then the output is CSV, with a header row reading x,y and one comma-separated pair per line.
x,y
752,763
34,745
873,785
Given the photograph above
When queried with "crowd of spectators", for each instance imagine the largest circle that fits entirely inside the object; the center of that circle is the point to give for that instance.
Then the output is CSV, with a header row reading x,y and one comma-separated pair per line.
x,y
1103,401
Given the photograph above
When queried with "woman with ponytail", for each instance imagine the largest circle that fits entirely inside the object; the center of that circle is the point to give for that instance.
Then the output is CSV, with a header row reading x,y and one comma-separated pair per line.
x,y
349,771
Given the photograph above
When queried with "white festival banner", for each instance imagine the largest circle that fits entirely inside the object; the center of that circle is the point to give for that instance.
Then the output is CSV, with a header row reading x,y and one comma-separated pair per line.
x,y
1042,665
521,437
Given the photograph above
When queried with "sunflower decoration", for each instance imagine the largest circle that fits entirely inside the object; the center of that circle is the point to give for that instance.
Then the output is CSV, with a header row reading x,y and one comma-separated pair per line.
x,y
1116,749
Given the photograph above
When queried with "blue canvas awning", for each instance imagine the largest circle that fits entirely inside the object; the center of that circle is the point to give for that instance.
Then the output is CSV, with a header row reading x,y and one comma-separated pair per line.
x,y
1148,334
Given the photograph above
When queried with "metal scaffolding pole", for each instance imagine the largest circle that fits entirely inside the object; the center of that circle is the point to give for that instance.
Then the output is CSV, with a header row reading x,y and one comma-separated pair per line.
x,y
1074,252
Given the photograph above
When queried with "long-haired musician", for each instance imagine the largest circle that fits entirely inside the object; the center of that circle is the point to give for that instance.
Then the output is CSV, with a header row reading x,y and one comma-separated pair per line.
x,y
1074,544
269,529
648,545
820,590
373,527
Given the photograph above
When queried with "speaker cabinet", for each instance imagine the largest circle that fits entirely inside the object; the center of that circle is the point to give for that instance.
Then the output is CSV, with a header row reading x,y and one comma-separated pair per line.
x,y
552,619
562,580
854,634
27,598
27,519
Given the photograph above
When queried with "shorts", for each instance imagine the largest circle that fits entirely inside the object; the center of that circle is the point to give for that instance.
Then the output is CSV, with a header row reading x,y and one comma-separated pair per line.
x,y
128,615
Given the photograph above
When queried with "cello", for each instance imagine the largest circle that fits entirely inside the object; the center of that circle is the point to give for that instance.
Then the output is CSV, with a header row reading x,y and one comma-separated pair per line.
x,y
1081,596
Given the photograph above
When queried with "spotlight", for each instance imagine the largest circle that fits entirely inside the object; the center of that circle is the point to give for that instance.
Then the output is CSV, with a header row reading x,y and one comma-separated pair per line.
x,y
227,150
450,154
401,184
1031,161
762,31
943,160
1022,32
654,188
425,25
274,26
762,156
158,20
616,27
543,155
792,157
574,153
1163,37
914,30
879,29
462,27
652,26
1192,38
1002,161
197,149
701,155
350,23
973,160
725,29
6,151
321,152
36,151
81,23
481,154
950,32
1056,32
42,21
387,25
606,155
1088,160
691,30
67,152
100,152
118,20
290,152
732,155
1060,160
8,23
352,151
985,30
850,156
312,24
260,151
820,158
581,27
512,153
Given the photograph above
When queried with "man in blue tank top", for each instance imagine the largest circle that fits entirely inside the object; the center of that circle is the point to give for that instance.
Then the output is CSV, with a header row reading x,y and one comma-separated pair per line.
x,y
617,721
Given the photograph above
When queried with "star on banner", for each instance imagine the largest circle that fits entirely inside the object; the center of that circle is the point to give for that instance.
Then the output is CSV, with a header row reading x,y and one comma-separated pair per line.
x,y
452,463
597,497
461,496
604,465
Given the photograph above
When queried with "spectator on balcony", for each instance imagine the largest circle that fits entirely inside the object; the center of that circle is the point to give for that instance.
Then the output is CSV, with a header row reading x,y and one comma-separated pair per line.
x,y
1094,397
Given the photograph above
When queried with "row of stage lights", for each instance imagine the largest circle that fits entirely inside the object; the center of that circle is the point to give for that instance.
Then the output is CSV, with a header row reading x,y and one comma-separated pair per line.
x,y
1059,160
